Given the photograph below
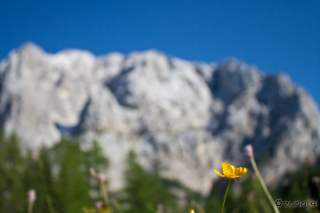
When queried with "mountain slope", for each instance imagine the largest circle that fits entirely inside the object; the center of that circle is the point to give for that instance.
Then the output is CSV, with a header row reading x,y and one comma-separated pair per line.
x,y
189,116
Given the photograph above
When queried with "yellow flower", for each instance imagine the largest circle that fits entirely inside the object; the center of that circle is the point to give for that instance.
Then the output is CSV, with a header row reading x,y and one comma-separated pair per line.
x,y
106,210
231,172
191,211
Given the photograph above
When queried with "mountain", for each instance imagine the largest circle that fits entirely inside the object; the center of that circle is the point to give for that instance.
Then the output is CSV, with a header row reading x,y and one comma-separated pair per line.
x,y
189,116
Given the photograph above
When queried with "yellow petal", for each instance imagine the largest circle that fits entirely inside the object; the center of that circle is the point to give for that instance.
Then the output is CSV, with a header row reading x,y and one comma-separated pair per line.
x,y
221,175
227,169
240,171
109,209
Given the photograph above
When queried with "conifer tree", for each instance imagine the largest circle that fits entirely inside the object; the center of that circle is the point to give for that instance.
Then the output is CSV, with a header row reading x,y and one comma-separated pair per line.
x,y
144,191
71,189
12,165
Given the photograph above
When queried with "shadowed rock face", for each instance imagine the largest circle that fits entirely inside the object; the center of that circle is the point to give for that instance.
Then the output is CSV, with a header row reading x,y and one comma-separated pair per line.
x,y
189,116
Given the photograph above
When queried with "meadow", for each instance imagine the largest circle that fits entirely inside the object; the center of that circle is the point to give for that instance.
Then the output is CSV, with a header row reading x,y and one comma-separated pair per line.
x,y
67,179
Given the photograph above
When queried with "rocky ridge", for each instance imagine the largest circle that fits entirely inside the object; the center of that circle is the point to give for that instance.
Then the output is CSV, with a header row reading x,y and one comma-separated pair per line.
x,y
191,117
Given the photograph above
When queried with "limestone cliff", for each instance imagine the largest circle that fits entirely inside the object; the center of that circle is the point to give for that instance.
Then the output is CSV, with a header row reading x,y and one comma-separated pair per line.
x,y
189,116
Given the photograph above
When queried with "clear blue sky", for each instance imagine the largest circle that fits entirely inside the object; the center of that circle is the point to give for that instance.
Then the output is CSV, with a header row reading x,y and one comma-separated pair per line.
x,y
274,35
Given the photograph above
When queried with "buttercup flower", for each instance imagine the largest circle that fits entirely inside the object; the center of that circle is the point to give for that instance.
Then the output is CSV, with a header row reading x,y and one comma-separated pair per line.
x,y
231,172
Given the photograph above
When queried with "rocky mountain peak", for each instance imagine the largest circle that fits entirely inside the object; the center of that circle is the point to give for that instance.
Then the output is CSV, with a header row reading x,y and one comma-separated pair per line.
x,y
189,116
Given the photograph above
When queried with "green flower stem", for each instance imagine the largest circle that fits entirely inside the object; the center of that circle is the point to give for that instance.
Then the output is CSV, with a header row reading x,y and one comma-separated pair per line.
x,y
30,208
104,193
225,195
264,187
47,195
